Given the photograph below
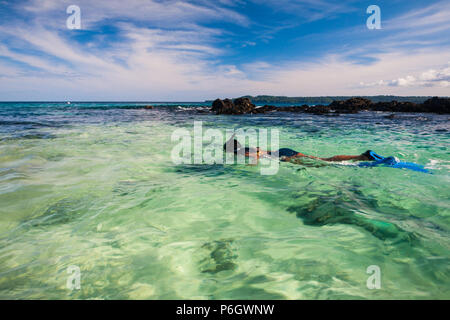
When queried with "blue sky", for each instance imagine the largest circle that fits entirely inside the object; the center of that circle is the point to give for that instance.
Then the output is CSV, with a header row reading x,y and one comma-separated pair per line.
x,y
196,50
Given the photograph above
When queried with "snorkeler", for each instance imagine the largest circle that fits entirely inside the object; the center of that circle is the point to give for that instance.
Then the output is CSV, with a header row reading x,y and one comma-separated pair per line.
x,y
286,154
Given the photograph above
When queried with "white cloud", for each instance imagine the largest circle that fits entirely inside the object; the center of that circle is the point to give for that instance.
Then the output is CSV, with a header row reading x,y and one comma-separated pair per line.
x,y
437,75
185,64
430,78
408,81
153,72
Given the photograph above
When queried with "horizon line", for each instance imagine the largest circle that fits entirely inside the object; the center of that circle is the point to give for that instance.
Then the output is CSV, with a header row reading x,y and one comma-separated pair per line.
x,y
209,100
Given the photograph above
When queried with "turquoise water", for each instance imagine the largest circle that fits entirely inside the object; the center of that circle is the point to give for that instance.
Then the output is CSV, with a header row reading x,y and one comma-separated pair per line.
x,y
93,186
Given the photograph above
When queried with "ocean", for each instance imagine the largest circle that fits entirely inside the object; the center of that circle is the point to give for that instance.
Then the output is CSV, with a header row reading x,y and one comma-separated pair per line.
x,y
92,186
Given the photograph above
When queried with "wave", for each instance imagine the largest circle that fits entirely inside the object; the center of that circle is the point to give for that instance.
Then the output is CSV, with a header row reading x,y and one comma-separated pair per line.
x,y
28,123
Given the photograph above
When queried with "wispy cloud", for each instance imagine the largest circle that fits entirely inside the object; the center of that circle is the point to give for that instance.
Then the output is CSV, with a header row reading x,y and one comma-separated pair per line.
x,y
310,10
163,13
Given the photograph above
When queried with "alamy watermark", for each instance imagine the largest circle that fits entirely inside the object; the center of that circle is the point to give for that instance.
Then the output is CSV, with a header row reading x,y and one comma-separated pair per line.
x,y
73,22
374,21
374,281
74,280
191,149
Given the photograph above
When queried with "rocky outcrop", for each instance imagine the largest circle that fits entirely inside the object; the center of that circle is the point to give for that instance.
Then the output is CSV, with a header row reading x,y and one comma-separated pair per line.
x,y
223,106
318,110
395,106
353,105
239,106
244,105
302,108
437,105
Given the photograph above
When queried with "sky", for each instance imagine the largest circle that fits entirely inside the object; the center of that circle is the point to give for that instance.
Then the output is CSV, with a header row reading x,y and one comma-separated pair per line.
x,y
196,50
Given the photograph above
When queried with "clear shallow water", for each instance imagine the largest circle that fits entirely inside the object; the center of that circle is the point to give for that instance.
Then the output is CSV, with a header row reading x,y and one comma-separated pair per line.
x,y
94,186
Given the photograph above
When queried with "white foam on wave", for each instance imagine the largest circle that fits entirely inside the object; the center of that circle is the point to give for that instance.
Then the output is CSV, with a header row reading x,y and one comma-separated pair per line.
x,y
437,164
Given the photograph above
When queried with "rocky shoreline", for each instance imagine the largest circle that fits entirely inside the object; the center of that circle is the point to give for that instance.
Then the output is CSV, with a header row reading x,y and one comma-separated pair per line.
x,y
242,106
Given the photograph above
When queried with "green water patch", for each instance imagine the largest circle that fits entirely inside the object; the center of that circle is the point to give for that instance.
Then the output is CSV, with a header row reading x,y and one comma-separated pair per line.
x,y
107,198
214,171
61,212
319,205
220,258
325,206
131,188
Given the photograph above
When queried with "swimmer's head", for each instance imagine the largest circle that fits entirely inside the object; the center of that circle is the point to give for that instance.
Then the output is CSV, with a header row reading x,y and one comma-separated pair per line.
x,y
232,145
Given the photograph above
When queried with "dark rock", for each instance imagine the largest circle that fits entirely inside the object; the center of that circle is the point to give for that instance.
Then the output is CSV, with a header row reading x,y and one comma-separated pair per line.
x,y
302,108
395,106
409,107
437,105
391,116
244,105
318,110
265,109
353,105
148,107
223,106
239,106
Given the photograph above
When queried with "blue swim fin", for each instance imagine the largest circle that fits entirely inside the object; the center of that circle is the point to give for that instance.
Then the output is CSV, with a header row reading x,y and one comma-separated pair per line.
x,y
391,162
